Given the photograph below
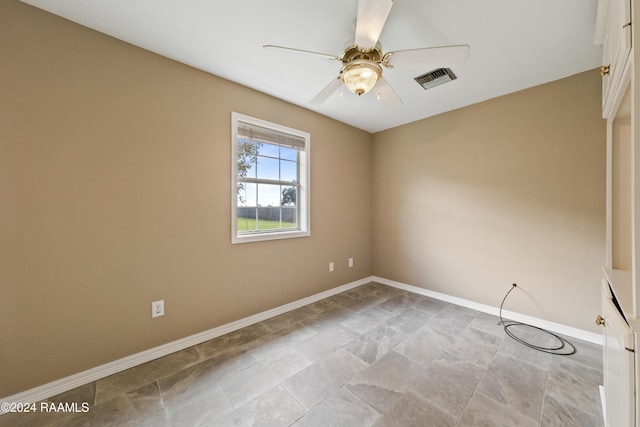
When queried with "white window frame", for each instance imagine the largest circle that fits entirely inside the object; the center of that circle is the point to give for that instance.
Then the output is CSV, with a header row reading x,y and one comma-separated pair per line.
x,y
302,196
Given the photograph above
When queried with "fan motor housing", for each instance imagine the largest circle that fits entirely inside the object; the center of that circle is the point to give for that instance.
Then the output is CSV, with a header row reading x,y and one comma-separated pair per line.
x,y
353,53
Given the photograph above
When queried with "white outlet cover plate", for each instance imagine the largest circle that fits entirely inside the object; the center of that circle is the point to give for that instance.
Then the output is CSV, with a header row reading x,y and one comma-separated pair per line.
x,y
157,308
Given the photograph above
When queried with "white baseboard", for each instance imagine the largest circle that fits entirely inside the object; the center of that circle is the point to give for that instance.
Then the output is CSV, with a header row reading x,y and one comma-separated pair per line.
x,y
85,377
534,321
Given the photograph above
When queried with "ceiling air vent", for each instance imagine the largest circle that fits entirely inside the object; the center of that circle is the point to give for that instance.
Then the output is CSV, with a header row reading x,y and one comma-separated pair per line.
x,y
435,78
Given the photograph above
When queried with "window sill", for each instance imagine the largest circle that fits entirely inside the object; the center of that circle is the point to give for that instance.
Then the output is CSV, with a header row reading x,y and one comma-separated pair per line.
x,y
259,237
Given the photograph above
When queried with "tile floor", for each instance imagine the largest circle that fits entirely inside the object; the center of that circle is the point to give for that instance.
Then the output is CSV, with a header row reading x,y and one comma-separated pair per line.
x,y
373,355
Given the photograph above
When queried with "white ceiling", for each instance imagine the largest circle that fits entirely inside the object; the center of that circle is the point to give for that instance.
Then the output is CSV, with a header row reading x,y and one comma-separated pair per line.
x,y
514,45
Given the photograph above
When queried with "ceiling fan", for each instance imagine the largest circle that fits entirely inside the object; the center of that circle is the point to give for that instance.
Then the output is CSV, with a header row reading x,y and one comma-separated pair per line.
x,y
362,62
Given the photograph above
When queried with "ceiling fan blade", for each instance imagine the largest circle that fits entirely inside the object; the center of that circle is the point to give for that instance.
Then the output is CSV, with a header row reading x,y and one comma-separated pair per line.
x,y
372,14
386,94
417,58
326,55
325,93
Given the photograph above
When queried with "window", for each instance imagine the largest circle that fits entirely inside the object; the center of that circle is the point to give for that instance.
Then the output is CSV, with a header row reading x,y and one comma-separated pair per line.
x,y
270,181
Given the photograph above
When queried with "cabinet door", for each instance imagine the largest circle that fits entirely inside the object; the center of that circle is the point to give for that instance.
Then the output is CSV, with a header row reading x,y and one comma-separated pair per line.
x,y
618,367
616,48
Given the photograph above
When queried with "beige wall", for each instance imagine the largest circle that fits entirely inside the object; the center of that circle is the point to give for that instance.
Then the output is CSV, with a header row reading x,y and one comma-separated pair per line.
x,y
115,192
511,190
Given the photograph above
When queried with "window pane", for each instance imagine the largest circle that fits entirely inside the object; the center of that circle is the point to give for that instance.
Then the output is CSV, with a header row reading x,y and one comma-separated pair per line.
x,y
288,153
268,168
288,171
268,218
288,196
289,211
250,170
247,194
246,160
289,217
269,150
246,210
248,223
268,195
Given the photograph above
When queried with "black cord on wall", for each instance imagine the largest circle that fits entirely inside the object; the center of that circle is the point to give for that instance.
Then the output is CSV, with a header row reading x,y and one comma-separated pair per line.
x,y
563,348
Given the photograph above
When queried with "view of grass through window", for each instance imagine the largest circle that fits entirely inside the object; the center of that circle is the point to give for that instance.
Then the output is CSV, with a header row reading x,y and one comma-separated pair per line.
x,y
249,224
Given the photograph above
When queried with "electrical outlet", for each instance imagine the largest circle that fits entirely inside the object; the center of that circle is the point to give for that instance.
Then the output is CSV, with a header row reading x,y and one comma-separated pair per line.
x,y
350,262
157,308
330,266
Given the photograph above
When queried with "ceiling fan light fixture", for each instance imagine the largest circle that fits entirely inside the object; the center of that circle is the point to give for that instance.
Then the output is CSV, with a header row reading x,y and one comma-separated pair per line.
x,y
360,76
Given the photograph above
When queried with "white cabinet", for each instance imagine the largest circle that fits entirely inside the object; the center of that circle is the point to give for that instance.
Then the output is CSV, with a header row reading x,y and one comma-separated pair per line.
x,y
620,316
616,41
618,358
